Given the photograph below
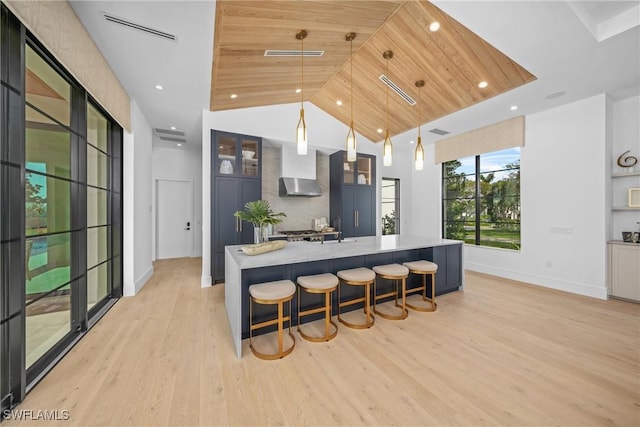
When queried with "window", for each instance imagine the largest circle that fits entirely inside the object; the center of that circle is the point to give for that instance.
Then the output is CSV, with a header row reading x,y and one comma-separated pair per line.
x,y
481,199
390,206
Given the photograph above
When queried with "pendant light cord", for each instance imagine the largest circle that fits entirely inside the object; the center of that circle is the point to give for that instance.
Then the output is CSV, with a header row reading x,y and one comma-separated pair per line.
x,y
351,82
419,91
302,74
387,98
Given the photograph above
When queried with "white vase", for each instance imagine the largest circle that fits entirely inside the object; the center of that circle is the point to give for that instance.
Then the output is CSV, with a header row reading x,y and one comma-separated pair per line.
x,y
260,234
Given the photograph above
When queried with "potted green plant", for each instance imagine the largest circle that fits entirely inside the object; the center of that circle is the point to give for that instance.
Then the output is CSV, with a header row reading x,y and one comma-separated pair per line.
x,y
259,214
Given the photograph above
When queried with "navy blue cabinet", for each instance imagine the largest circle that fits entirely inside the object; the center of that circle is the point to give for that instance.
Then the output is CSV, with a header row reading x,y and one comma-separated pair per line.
x,y
235,180
353,195
449,275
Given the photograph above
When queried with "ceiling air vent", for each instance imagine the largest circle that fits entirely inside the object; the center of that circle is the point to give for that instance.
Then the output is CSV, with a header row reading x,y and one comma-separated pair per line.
x,y
271,52
439,131
386,80
139,27
172,139
162,132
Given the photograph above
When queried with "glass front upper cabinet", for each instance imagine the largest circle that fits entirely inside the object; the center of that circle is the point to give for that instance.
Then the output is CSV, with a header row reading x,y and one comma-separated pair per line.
x,y
237,155
249,155
359,172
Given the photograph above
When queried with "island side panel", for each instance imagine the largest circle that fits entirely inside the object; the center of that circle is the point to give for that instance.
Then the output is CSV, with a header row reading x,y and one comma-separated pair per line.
x,y
232,301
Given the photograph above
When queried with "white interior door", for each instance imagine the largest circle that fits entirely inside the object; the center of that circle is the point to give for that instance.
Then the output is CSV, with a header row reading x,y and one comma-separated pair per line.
x,y
174,222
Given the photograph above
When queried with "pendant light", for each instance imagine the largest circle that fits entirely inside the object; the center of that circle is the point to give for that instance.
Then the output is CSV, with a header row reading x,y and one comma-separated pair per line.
x,y
351,136
387,146
301,130
419,155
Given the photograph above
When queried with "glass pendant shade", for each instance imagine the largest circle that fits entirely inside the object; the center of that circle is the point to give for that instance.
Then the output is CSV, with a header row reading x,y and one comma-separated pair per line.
x,y
351,144
419,155
387,150
301,134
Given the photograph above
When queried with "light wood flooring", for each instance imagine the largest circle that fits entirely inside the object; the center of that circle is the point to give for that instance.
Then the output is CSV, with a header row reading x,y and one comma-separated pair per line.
x,y
498,354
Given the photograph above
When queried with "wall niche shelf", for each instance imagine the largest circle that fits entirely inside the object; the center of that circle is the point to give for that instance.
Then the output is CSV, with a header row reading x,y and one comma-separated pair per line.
x,y
624,208
624,174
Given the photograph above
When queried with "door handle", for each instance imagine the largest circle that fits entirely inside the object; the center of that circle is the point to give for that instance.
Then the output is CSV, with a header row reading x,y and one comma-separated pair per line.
x,y
237,225
355,218
240,222
188,226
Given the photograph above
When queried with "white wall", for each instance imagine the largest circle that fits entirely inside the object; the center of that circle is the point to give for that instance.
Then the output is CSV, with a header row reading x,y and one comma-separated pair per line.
x,y
137,203
426,196
402,168
626,136
181,164
563,196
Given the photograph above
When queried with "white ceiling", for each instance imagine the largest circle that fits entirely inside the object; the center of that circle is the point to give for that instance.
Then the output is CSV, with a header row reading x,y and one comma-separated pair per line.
x,y
551,39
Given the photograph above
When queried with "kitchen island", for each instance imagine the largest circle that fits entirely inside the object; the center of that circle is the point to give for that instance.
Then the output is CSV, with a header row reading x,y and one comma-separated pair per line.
x,y
306,258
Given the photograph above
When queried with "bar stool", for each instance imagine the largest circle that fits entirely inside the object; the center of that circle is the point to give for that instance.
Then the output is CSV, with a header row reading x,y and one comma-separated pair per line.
x,y
357,277
277,292
423,268
397,273
318,284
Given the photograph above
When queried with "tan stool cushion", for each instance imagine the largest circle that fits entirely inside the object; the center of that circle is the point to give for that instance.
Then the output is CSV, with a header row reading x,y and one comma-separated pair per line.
x,y
391,270
357,275
318,281
423,266
273,290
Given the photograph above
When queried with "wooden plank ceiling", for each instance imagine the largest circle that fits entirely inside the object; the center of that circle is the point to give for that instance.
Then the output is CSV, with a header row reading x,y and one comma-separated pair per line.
x,y
451,61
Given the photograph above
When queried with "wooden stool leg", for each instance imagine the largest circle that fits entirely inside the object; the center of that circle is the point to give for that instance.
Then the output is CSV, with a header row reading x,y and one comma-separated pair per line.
x,y
327,314
423,288
403,307
367,302
280,325
251,323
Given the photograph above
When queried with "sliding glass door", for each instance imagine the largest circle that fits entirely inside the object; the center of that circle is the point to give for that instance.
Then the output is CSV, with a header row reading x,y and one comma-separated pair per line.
x,y
48,201
61,211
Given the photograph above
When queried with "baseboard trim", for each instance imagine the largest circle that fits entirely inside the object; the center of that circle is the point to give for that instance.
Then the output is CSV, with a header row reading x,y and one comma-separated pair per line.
x,y
205,281
143,280
539,280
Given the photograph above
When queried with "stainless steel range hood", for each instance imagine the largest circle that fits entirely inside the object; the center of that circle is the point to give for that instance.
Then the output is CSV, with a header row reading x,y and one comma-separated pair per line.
x,y
299,187
298,174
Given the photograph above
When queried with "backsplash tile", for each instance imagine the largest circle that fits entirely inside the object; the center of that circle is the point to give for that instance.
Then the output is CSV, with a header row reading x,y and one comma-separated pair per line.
x,y
300,210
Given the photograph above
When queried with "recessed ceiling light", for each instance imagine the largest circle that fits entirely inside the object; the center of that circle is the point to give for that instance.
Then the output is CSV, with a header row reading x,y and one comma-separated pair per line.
x,y
159,87
298,90
412,142
434,26
179,145
513,107
233,96
483,84
173,128
339,102
379,130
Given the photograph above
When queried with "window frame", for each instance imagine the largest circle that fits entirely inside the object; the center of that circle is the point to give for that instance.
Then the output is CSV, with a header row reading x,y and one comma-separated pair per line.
x,y
396,199
477,199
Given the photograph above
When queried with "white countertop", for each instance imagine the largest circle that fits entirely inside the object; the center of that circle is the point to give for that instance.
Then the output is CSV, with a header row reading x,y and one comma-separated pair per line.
x,y
295,252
